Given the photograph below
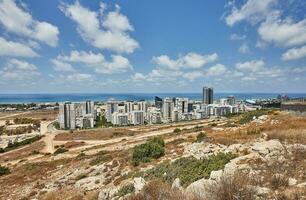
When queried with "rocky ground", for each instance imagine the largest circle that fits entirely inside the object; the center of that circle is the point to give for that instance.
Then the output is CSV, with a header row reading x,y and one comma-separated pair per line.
x,y
263,158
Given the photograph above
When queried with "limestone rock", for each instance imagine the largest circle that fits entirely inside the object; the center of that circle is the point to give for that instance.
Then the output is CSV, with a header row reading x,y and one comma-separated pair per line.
x,y
200,189
107,193
292,181
216,175
139,183
177,184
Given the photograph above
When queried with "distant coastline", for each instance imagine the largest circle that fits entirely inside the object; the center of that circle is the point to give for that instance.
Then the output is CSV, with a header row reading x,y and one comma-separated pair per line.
x,y
77,97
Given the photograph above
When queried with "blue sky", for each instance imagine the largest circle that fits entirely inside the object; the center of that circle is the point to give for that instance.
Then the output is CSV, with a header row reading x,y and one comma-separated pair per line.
x,y
152,46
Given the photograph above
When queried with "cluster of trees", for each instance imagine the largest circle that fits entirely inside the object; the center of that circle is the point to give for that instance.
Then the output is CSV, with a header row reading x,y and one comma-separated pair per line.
x,y
18,130
22,129
35,122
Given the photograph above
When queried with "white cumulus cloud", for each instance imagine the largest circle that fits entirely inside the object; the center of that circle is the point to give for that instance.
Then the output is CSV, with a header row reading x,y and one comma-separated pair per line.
x,y
294,53
18,70
97,61
190,60
252,11
16,20
15,49
283,32
110,33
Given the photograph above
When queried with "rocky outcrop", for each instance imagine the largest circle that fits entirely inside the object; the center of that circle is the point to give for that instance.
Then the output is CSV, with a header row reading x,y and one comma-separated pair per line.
x,y
203,149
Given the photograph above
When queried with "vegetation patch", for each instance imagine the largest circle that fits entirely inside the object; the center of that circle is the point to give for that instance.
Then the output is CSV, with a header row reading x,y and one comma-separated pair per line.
x,y
124,190
101,157
4,170
189,169
153,148
60,150
201,137
177,130
102,122
15,145
248,116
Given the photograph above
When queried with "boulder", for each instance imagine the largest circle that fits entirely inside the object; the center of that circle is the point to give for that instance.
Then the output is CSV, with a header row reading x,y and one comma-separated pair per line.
x,y
270,148
216,175
177,184
200,189
139,183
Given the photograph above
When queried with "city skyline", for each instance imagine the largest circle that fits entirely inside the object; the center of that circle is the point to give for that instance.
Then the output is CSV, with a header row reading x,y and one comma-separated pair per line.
x,y
158,46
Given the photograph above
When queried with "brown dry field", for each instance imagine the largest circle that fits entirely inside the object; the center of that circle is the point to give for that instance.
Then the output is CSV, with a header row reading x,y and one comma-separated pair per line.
x,y
94,134
22,152
37,114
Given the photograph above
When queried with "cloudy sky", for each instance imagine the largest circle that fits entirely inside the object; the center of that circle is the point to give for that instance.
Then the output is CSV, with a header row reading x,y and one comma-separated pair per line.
x,y
152,46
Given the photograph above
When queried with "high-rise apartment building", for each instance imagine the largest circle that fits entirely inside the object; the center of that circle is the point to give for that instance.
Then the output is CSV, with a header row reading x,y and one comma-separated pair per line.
x,y
167,108
208,94
137,117
158,102
112,106
67,115
181,104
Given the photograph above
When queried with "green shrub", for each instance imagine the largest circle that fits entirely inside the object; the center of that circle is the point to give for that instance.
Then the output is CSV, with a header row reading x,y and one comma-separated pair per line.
x,y
124,190
248,116
60,150
56,125
201,137
153,148
4,170
177,130
213,124
189,169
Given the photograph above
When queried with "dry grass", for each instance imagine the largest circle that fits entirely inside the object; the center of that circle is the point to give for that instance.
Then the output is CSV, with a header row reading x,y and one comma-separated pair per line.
x,y
232,187
22,153
292,136
291,194
94,134
37,114
157,190
69,194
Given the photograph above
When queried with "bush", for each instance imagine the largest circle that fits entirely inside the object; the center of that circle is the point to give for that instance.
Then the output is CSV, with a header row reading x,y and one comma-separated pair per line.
x,y
177,130
60,150
189,169
56,125
124,190
201,137
153,148
4,170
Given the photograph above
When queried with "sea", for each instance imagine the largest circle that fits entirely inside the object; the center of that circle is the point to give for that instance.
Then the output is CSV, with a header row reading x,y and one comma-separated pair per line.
x,y
78,97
